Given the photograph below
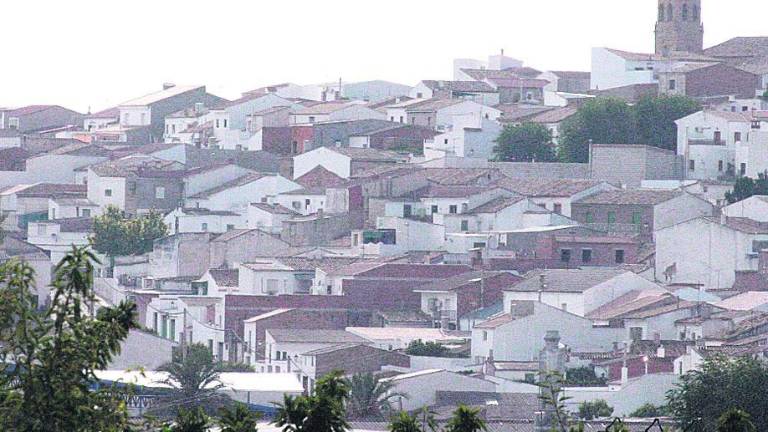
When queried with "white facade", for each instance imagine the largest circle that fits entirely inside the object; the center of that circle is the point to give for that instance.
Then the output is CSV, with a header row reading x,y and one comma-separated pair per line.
x,y
754,207
610,70
335,162
706,252
709,141
237,198
106,191
469,136
180,221
346,113
304,203
72,208
420,388
48,236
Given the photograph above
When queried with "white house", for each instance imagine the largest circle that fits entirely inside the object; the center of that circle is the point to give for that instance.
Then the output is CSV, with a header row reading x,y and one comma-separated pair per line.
x,y
470,135
269,217
710,142
58,236
342,161
183,220
518,333
334,111
754,207
419,388
237,194
708,251
284,346
578,291
614,68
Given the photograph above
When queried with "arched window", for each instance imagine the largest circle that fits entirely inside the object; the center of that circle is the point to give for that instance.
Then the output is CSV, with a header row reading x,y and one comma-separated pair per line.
x,y
670,12
685,12
695,12
661,12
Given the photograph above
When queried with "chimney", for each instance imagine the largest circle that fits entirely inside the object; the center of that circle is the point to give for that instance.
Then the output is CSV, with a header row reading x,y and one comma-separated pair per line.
x,y
661,352
168,85
542,284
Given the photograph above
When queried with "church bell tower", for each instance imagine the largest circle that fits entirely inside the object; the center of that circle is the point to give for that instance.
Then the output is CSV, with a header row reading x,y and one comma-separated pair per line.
x,y
679,27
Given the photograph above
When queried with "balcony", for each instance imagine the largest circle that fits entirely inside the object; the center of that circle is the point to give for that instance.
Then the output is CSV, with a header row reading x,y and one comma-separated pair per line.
x,y
706,142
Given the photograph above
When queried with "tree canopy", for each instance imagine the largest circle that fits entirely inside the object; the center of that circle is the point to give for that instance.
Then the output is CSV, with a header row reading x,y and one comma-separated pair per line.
x,y
527,142
369,397
612,121
720,385
56,352
117,235
746,187
322,411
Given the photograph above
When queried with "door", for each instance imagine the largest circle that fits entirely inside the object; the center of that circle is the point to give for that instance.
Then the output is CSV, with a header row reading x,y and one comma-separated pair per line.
x,y
718,136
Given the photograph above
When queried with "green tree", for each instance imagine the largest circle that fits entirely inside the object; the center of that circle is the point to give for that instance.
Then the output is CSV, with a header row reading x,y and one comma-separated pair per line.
x,y
404,422
114,234
191,420
466,419
583,377
428,349
56,352
601,121
193,376
746,187
656,117
649,410
238,419
322,411
595,409
721,384
369,397
527,142
735,420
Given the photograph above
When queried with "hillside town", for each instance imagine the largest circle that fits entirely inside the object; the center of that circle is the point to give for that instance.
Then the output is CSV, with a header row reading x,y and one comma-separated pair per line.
x,y
417,234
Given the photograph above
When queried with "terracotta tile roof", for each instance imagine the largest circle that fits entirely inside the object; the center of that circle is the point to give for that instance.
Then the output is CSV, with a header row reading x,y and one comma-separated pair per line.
x,y
320,177
13,159
27,110
462,280
53,190
415,271
496,205
572,74
76,225
556,115
542,187
314,336
460,86
740,47
441,191
137,165
324,108
431,105
513,112
484,74
746,225
369,154
567,280
458,176
240,181
109,113
519,82
496,322
225,277
632,197
275,209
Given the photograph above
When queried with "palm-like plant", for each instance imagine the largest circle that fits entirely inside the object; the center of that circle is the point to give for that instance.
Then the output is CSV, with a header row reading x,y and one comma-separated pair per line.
x,y
404,422
369,397
193,420
238,419
323,411
194,378
292,413
466,419
735,420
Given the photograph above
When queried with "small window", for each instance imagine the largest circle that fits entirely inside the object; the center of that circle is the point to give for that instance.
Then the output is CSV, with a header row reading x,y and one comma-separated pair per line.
x,y
401,119
85,212
611,217
565,255
485,335
41,229
419,95
744,109
564,307
586,255
225,123
311,119
589,217
619,256
296,205
637,218
392,118
160,192
737,136
719,166
217,123
453,209
465,225
230,227
743,169
558,208
672,84
434,209
13,123
307,202
445,141
691,165
108,192
204,228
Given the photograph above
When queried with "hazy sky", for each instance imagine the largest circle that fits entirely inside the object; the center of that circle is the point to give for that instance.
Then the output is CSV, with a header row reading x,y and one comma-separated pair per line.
x,y
81,53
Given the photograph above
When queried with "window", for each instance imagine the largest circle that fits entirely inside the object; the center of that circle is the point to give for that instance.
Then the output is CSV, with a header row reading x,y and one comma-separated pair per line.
x,y
564,307
85,212
720,166
743,169
154,322
530,378
718,136
465,225
485,335
589,217
586,255
672,84
108,192
619,256
217,123
204,227
636,333
230,227
611,217
744,108
401,119
637,218
225,122
691,165
434,209
172,331
419,95
559,208
311,119
407,210
307,202
453,209
41,229
445,141
429,121
565,255
737,136
160,192
685,12
173,128
695,12
13,122
131,188
296,205
391,118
